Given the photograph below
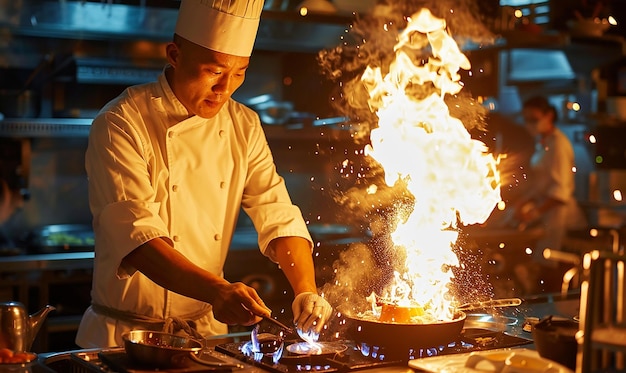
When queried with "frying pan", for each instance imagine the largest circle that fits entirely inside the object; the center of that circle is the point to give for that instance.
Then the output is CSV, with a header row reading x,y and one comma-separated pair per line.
x,y
399,337
160,350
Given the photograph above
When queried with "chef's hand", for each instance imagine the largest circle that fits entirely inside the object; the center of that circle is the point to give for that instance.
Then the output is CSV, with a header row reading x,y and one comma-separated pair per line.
x,y
527,214
310,312
239,304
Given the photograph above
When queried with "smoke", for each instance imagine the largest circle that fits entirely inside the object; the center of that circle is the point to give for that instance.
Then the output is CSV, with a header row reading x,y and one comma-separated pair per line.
x,y
370,42
356,275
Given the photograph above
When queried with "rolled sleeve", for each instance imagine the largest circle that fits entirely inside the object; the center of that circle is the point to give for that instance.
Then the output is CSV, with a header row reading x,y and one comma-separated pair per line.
x,y
266,199
125,225
284,222
122,195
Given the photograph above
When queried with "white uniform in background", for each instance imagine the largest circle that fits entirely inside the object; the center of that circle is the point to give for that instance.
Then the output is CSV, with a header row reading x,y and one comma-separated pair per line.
x,y
552,167
157,177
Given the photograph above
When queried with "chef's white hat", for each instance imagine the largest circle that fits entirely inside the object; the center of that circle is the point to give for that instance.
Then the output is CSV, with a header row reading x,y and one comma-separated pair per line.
x,y
226,26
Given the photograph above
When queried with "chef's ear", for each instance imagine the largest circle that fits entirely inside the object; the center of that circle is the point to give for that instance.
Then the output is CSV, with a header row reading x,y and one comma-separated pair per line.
x,y
172,52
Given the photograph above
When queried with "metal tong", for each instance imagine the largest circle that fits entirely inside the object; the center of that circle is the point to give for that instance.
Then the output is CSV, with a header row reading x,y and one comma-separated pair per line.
x,y
215,363
279,324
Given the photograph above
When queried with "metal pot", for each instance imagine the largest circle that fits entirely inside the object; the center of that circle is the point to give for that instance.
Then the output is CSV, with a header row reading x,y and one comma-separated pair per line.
x,y
18,329
556,340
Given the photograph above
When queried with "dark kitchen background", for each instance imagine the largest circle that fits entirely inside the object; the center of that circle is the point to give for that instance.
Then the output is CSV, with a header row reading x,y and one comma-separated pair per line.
x,y
67,58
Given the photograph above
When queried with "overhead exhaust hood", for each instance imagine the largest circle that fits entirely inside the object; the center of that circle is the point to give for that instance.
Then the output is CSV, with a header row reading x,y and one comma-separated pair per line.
x,y
526,65
278,30
561,57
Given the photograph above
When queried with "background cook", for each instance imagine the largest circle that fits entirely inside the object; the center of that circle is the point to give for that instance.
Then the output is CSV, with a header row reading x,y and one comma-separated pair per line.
x,y
549,201
170,163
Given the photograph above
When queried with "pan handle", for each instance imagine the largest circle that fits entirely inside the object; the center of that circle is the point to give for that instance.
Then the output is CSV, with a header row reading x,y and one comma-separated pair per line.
x,y
214,362
492,303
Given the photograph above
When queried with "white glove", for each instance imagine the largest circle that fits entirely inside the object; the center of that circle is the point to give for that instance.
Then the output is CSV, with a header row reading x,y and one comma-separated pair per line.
x,y
310,312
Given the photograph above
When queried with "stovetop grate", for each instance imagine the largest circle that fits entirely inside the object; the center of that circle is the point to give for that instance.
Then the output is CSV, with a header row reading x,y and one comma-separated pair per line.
x,y
351,359
360,355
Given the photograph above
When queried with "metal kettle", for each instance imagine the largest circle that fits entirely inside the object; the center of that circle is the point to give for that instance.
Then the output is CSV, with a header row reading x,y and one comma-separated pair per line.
x,y
18,329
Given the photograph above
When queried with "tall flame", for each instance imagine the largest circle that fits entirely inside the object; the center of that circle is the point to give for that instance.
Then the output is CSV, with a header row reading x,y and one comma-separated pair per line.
x,y
450,175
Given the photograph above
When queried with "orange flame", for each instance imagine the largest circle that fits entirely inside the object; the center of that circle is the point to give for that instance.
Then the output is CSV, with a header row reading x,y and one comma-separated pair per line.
x,y
451,176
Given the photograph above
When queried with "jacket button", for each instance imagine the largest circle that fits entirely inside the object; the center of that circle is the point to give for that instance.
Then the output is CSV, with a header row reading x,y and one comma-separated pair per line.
x,y
221,133
176,238
217,237
175,188
170,134
222,184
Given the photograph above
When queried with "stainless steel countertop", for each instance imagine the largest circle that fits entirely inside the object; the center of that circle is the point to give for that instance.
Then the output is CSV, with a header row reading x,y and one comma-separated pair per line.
x,y
47,262
248,368
544,305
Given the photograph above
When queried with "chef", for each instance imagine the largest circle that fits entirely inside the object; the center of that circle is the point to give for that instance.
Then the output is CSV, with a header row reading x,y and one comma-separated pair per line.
x,y
170,164
549,202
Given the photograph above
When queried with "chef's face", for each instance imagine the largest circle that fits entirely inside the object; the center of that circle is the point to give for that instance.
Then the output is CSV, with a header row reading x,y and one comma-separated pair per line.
x,y
537,121
202,79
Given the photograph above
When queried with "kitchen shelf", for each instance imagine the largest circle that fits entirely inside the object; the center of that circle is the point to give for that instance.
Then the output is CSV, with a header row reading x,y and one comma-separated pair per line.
x,y
47,262
539,55
79,20
45,127
79,127
558,39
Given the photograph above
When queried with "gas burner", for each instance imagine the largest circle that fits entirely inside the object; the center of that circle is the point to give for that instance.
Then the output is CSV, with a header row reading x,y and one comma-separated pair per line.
x,y
362,355
249,350
471,339
347,359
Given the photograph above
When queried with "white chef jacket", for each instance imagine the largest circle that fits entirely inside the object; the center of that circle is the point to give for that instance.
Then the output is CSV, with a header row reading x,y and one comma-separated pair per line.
x,y
553,176
152,176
